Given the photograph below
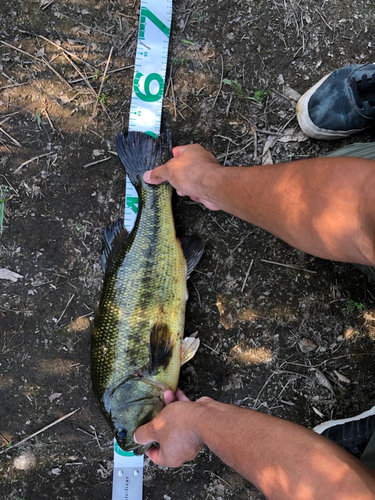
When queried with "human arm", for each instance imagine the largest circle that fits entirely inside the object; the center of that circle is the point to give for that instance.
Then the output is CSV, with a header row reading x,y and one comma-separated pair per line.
x,y
323,206
284,460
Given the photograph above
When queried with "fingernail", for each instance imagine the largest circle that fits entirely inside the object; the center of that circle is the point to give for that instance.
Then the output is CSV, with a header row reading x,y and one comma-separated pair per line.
x,y
147,176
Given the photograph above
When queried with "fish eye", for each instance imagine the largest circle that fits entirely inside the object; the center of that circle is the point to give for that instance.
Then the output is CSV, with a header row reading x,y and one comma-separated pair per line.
x,y
121,433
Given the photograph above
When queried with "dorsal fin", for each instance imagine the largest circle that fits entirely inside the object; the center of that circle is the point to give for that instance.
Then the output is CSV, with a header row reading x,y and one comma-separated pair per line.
x,y
112,238
161,347
193,247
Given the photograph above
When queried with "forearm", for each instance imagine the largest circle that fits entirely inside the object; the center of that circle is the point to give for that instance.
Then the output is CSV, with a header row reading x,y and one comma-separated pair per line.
x,y
323,206
284,460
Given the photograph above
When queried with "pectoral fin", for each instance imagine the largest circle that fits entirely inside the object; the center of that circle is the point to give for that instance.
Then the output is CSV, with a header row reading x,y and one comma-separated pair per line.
x,y
193,247
189,347
161,347
112,238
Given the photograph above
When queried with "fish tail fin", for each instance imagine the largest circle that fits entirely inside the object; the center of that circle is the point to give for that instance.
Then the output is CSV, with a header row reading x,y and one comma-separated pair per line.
x,y
139,152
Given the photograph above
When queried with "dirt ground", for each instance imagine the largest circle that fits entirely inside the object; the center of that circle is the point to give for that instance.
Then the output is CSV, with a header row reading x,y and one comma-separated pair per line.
x,y
281,331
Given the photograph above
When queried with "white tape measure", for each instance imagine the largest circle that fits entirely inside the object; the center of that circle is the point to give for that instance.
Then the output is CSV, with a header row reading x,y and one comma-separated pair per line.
x,y
148,84
145,116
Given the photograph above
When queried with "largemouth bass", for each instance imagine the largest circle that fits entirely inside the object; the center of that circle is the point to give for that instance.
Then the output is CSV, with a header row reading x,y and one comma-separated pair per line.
x,y
137,344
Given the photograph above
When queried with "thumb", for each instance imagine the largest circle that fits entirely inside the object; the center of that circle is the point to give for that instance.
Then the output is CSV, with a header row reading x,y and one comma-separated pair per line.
x,y
156,176
145,434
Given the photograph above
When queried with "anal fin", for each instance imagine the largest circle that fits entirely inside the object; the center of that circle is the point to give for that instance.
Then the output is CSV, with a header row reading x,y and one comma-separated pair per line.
x,y
189,347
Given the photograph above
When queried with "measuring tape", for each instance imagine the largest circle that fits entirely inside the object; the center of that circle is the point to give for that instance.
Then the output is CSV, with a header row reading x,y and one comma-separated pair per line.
x,y
145,116
148,84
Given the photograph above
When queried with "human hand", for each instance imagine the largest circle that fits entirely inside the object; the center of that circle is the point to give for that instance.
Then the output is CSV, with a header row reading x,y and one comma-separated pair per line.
x,y
174,429
192,171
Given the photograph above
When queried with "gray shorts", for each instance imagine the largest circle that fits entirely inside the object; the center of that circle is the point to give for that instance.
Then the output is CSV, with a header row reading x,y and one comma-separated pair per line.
x,y
362,150
359,150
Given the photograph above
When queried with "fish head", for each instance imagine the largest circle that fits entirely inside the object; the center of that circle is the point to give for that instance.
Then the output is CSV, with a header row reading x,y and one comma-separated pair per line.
x,y
133,404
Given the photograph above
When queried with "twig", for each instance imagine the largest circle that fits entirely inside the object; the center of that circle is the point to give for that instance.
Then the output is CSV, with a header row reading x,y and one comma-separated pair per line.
x,y
14,85
47,5
39,59
10,137
49,121
247,275
237,151
29,161
288,265
221,80
71,54
96,162
109,73
102,82
173,96
66,307
41,430
80,73
6,118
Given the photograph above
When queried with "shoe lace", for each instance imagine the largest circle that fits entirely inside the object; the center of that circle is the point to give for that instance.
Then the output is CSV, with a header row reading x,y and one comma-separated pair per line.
x,y
363,89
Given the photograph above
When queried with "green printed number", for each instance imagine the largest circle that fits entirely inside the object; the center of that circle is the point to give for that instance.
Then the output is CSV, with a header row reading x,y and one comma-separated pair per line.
x,y
147,95
146,13
132,203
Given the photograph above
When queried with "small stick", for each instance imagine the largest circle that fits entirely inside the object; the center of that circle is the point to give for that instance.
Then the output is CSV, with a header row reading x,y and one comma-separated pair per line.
x,y
96,162
288,265
29,161
102,82
49,120
221,80
109,73
14,85
247,275
10,137
71,54
6,118
41,59
41,430
173,97
80,73
48,4
66,307
208,347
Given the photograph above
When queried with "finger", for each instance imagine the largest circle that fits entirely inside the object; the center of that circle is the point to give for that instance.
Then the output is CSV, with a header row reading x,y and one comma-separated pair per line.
x,y
177,151
154,176
144,434
169,397
181,396
155,454
179,193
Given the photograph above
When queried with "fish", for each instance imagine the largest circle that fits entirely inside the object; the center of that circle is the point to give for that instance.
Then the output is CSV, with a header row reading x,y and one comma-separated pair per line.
x,y
137,343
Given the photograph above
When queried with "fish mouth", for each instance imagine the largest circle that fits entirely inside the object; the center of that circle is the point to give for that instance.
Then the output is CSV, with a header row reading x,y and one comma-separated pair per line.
x,y
136,448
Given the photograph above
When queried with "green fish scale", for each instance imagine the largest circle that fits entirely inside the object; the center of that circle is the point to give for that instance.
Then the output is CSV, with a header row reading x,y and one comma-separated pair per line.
x,y
146,284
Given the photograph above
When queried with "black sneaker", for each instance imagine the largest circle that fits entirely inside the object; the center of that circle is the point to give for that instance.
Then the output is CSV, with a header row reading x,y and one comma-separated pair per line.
x,y
340,104
352,434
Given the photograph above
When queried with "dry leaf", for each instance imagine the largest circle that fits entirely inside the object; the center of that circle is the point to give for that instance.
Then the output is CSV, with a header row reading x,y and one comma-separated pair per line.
x,y
306,345
5,274
319,413
323,380
341,377
55,395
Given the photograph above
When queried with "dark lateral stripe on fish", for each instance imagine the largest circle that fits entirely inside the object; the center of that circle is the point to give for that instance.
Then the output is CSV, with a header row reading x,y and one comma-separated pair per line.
x,y
140,152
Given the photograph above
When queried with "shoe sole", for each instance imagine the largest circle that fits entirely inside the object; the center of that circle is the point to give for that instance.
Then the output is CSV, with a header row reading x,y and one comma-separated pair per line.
x,y
309,127
319,429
